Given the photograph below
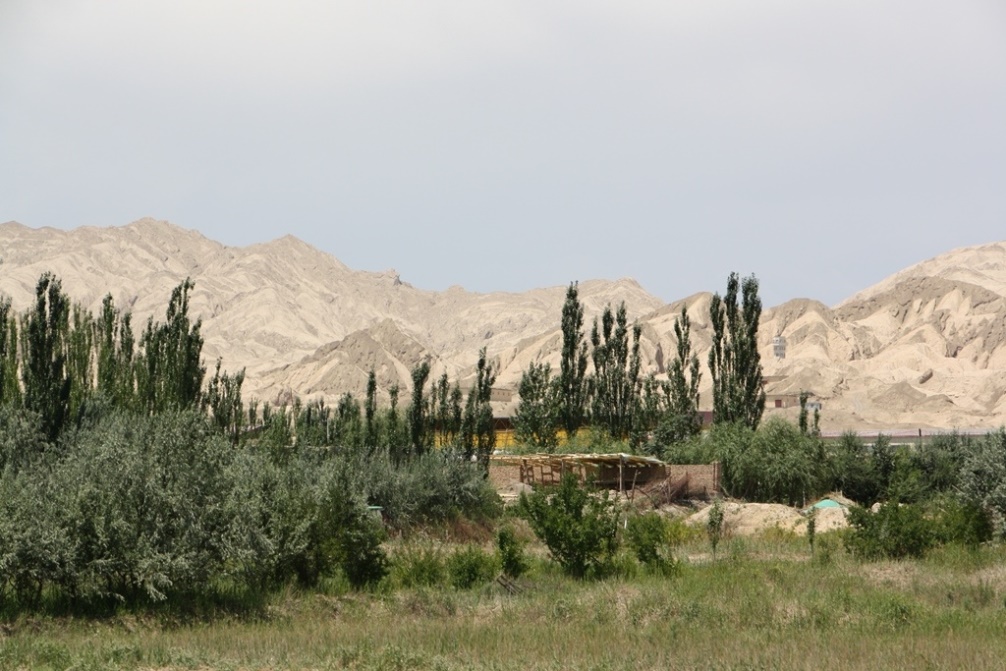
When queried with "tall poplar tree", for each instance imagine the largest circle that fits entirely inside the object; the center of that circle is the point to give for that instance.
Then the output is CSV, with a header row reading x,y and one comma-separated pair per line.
x,y
536,419
683,377
370,412
115,344
418,429
615,385
734,361
44,376
478,428
170,371
573,365
10,391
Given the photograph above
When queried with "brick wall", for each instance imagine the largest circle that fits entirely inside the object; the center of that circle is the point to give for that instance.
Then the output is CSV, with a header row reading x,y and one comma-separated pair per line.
x,y
703,480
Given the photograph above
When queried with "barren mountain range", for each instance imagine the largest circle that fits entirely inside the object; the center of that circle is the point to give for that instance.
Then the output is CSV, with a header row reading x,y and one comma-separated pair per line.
x,y
925,348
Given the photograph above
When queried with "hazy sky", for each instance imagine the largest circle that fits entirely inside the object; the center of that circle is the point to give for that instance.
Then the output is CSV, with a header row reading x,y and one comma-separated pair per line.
x,y
508,145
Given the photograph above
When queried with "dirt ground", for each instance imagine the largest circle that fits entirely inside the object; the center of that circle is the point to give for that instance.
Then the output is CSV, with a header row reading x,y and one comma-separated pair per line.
x,y
748,519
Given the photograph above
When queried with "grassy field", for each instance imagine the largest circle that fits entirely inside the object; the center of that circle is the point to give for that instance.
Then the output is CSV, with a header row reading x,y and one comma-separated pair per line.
x,y
761,605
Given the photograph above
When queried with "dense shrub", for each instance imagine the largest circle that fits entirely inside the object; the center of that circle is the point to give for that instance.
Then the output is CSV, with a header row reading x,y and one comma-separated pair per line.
x,y
471,566
778,464
579,530
146,504
679,533
983,476
35,550
961,523
511,552
419,565
22,441
647,536
893,532
272,508
426,488
136,507
700,449
854,470
351,537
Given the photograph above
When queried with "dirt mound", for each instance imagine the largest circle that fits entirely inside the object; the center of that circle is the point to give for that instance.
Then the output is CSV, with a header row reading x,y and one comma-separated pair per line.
x,y
748,519
830,519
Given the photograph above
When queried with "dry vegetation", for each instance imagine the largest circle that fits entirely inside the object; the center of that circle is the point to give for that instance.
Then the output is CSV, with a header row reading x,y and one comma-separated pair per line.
x,y
763,605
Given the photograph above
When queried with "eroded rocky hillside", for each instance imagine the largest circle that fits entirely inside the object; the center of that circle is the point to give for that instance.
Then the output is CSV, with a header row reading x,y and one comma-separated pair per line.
x,y
925,348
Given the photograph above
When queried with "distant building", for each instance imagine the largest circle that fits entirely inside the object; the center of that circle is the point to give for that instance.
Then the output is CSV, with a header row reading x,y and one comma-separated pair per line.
x,y
779,347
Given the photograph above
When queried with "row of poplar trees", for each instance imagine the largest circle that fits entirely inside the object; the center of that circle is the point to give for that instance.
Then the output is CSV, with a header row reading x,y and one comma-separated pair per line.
x,y
59,361
617,398
66,365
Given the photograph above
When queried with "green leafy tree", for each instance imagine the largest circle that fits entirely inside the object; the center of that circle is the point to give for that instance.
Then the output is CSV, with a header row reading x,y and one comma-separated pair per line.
x,y
579,530
734,361
803,423
893,532
170,371
370,412
395,438
983,476
115,351
615,385
573,365
47,386
419,435
80,368
777,464
448,414
855,470
223,396
536,419
313,424
348,424
10,391
682,420
478,428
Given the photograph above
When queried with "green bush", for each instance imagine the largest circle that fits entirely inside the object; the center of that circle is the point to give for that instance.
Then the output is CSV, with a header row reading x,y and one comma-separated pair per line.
x,y
471,566
272,510
511,552
647,536
960,523
579,530
145,504
679,533
854,470
419,565
135,507
893,532
776,464
983,476
35,549
714,525
354,536
426,488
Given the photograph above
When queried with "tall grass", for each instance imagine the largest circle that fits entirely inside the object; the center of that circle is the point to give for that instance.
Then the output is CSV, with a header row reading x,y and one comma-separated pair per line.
x,y
747,610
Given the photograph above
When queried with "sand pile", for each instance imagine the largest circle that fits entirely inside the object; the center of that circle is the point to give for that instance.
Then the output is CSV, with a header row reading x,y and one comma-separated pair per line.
x,y
830,519
748,519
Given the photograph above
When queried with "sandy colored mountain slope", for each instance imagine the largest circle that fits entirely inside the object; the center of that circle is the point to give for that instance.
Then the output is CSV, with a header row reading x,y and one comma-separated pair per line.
x,y
925,348
294,317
